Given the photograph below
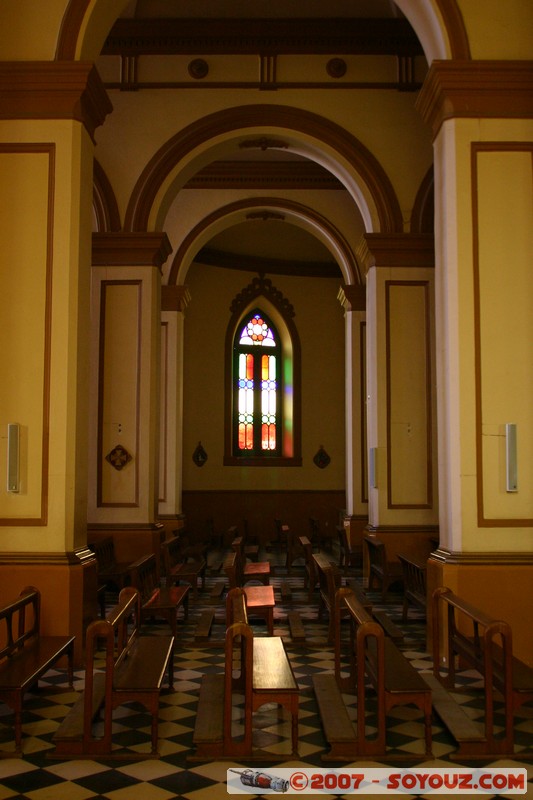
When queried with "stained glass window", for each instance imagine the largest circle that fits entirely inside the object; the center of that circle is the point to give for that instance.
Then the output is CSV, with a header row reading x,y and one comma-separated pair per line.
x,y
257,389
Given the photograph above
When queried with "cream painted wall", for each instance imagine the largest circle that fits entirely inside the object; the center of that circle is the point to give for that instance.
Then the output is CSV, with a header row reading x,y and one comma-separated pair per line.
x,y
502,30
51,398
477,365
319,318
384,121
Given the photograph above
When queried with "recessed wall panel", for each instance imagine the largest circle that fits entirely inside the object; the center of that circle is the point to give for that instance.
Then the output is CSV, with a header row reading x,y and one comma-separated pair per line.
x,y
408,400
26,219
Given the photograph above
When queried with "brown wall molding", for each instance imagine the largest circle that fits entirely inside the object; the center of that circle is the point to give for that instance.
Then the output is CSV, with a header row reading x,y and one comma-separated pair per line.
x,y
258,175
476,149
174,298
130,249
270,36
433,530
49,150
486,89
423,211
123,526
104,201
241,118
53,90
73,558
393,471
396,250
482,559
352,298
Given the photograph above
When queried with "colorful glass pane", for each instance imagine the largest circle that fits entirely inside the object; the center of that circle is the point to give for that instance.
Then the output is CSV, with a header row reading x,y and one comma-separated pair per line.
x,y
268,402
246,401
257,332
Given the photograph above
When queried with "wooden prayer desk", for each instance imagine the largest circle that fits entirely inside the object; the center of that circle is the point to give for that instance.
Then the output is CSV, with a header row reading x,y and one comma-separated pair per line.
x,y
260,600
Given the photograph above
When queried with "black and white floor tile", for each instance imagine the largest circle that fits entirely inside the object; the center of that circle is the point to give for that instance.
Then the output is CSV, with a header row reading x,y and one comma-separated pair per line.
x,y
36,776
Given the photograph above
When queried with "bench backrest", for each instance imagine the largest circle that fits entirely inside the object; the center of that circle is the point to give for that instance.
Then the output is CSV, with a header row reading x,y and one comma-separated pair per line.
x,y
19,621
238,677
231,568
171,554
329,577
145,577
104,550
236,606
367,653
118,630
414,576
377,556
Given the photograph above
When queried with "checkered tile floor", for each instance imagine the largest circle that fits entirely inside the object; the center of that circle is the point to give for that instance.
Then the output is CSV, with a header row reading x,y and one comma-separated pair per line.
x,y
37,777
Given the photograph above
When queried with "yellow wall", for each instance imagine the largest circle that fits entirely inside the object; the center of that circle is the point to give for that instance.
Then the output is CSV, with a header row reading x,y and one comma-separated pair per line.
x,y
319,318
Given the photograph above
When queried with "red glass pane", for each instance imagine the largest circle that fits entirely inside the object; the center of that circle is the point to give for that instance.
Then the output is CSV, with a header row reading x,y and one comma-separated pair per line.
x,y
249,367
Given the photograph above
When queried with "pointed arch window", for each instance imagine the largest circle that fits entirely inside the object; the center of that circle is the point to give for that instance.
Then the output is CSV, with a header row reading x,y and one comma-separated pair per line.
x,y
257,388
262,384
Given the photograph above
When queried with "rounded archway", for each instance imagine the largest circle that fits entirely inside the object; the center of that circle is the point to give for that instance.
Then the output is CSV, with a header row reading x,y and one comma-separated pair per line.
x,y
289,211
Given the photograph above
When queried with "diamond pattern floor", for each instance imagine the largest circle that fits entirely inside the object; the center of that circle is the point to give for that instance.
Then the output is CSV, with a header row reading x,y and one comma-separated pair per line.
x,y
37,777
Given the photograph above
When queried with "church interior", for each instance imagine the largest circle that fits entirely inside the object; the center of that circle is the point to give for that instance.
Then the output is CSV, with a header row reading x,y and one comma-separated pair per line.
x,y
266,375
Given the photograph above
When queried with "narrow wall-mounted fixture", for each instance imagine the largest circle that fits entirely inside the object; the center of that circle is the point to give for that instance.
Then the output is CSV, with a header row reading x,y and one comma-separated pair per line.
x,y
511,464
373,467
13,447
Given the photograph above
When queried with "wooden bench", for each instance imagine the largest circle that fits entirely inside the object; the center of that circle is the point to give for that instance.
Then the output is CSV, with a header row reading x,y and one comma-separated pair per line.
x,y
241,545
385,572
310,578
181,564
110,571
260,600
247,572
329,580
349,555
26,655
372,658
295,550
158,602
319,537
257,668
486,645
414,583
133,671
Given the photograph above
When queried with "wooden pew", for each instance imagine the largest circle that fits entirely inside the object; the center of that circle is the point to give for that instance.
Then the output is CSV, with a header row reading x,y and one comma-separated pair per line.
x,y
329,580
26,654
135,667
110,571
260,600
260,669
485,644
295,550
158,602
414,583
385,572
349,555
179,566
372,657
311,578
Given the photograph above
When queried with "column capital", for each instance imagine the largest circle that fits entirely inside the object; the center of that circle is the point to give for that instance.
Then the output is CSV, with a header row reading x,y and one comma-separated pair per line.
x,y
352,298
53,90
485,89
174,298
396,250
139,249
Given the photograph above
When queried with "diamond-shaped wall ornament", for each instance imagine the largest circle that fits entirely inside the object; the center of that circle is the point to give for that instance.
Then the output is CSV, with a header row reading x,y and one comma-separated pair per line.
x,y
118,457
